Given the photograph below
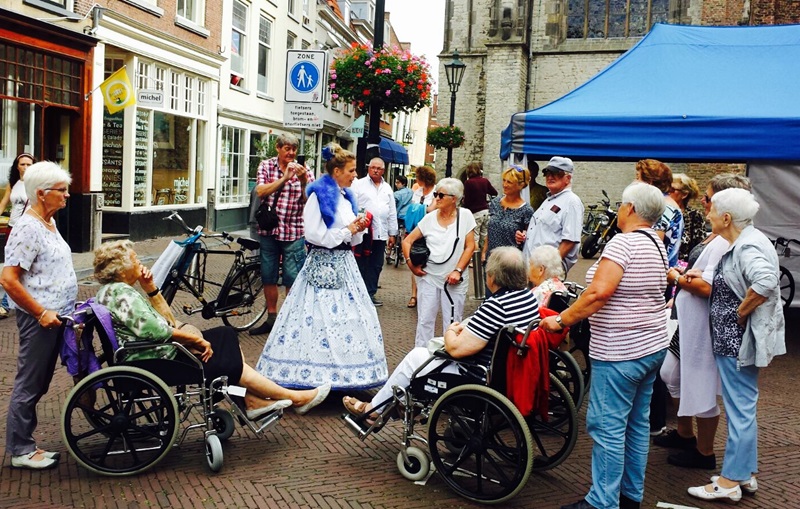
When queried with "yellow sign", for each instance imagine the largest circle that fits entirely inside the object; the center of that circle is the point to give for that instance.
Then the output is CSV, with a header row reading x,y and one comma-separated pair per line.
x,y
118,91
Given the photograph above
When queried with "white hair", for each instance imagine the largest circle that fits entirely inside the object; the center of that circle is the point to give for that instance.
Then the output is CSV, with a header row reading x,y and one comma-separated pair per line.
x,y
42,176
451,186
740,204
549,258
648,201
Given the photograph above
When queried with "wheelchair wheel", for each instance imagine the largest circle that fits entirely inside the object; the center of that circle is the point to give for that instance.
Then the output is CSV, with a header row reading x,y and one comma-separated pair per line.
x,y
569,373
223,423
119,421
554,438
418,466
786,284
214,453
242,300
494,462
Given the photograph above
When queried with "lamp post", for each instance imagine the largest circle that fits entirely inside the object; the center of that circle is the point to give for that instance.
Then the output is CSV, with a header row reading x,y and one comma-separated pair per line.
x,y
454,72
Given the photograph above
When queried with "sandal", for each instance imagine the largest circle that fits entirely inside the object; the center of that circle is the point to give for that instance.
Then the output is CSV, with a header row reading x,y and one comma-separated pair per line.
x,y
412,302
358,409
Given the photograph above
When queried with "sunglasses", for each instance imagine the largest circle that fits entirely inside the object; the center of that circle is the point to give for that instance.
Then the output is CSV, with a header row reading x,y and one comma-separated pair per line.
x,y
441,195
557,174
518,168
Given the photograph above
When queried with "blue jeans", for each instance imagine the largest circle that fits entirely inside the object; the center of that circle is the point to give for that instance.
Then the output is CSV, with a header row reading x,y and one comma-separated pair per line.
x,y
618,422
371,266
294,256
740,394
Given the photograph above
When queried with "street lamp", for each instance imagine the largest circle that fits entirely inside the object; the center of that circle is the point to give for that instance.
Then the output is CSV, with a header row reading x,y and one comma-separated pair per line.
x,y
455,73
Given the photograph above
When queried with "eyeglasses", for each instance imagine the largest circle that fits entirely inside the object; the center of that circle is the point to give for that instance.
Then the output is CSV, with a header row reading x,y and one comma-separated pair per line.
x,y
376,168
556,174
706,198
678,189
59,189
441,195
518,168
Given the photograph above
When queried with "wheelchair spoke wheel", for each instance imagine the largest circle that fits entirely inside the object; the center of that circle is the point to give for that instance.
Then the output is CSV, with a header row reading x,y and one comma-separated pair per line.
x,y
787,287
554,437
119,421
480,444
242,299
569,373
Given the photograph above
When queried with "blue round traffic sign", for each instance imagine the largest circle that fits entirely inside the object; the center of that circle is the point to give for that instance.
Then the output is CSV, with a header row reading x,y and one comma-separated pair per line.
x,y
304,76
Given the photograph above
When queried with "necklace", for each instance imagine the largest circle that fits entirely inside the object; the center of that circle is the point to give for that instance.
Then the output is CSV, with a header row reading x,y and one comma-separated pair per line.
x,y
41,218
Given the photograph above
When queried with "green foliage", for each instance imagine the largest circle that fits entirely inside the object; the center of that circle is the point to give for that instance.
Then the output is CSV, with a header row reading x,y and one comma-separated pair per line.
x,y
445,137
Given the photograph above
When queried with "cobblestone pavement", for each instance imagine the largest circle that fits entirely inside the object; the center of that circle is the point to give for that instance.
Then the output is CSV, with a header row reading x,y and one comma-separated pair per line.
x,y
314,461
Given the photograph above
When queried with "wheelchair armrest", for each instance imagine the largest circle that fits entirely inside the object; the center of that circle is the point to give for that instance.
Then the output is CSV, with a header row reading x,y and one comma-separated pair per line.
x,y
148,345
442,354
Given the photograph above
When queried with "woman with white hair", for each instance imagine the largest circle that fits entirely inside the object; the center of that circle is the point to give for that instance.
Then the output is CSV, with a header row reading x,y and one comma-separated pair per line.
x,y
39,278
546,273
448,234
747,331
624,302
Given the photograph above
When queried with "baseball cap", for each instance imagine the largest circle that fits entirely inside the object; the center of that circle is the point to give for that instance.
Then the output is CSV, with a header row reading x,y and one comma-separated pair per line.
x,y
560,164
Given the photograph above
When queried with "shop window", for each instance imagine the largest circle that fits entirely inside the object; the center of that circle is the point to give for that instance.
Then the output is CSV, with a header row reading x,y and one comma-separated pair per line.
x,y
172,152
39,76
264,49
600,19
233,172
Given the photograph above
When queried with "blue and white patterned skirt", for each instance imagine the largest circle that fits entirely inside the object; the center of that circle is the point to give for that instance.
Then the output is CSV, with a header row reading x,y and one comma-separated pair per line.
x,y
327,329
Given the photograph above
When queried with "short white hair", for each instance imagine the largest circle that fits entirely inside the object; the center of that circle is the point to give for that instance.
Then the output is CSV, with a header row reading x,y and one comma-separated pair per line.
x,y
740,204
548,257
42,176
451,186
648,201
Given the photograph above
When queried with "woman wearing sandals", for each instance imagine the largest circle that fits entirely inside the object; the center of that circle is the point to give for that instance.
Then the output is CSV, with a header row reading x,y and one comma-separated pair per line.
x,y
448,233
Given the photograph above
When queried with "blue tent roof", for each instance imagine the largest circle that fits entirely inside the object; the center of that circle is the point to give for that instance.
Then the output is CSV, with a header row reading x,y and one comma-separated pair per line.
x,y
683,93
393,152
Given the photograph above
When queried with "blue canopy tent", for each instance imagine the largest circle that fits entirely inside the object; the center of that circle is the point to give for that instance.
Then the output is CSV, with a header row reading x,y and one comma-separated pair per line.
x,y
683,93
393,152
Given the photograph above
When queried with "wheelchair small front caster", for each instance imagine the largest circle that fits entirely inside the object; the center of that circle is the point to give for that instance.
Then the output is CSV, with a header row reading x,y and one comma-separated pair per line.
x,y
214,453
418,464
223,423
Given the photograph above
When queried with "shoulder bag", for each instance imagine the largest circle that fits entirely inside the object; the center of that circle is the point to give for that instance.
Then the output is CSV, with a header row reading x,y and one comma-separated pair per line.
x,y
266,217
420,253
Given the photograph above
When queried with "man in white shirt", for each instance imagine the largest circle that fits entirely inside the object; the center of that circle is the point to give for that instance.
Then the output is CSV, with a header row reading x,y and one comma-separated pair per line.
x,y
375,196
559,219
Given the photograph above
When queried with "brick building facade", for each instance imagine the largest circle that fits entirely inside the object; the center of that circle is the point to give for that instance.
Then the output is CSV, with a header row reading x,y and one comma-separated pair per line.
x,y
521,55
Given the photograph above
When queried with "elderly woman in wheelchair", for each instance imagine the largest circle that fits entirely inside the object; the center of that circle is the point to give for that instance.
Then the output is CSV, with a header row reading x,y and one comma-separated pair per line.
x,y
478,440
122,419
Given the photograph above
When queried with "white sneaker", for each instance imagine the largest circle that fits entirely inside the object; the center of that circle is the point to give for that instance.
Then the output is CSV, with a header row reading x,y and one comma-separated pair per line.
x,y
717,492
27,461
749,487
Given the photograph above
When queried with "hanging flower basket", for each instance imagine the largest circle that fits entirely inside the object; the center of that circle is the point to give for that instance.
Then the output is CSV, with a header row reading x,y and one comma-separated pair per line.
x,y
395,78
445,137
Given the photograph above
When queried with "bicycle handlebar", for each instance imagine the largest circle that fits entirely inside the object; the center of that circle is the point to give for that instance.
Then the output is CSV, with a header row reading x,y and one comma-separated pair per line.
x,y
785,242
176,218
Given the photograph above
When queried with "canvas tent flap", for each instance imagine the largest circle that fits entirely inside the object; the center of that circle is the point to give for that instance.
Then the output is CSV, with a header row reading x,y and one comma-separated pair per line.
x,y
683,93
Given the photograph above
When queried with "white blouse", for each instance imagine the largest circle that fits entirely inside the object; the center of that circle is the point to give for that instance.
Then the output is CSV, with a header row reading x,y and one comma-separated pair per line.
x,y
318,233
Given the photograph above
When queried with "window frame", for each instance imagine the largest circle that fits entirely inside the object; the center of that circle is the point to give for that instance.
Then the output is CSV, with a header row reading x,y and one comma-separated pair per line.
x,y
266,47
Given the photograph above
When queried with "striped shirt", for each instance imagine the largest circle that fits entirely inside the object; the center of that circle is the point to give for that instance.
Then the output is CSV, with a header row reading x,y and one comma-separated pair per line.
x,y
518,307
289,207
632,324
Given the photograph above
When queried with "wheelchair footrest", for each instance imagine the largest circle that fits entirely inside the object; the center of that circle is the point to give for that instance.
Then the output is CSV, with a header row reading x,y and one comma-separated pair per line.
x,y
267,422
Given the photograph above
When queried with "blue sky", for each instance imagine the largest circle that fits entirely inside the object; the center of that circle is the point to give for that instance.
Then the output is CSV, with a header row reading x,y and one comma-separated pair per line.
x,y
420,22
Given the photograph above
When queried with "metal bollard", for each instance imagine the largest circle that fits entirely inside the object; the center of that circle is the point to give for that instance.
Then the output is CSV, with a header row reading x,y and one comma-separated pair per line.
x,y
478,277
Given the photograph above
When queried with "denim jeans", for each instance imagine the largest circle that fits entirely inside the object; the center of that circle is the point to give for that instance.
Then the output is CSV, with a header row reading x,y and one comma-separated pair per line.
x,y
291,252
618,422
740,394
371,266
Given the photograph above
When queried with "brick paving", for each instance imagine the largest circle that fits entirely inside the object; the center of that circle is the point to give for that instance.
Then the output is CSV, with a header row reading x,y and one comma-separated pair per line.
x,y
314,461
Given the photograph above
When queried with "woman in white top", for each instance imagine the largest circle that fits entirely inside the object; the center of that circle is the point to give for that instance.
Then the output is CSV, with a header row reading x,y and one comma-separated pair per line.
x,y
327,330
448,234
15,194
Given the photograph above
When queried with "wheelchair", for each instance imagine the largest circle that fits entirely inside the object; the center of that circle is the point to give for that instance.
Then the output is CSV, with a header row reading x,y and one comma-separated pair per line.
x,y
124,418
483,448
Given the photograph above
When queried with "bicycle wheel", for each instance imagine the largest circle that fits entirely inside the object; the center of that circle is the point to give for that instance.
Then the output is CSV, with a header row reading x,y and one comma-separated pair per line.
x,y
787,287
241,299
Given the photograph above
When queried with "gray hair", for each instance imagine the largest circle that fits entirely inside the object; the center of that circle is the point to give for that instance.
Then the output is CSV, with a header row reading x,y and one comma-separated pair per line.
x,y
648,201
42,176
548,257
111,259
729,181
740,204
451,186
287,139
507,267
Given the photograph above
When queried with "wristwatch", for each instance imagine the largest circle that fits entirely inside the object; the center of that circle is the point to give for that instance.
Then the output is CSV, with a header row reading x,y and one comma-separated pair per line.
x,y
460,271
559,322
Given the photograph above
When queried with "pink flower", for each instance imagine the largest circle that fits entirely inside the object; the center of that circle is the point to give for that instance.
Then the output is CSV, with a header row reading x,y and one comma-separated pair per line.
x,y
332,86
333,96
388,93
333,75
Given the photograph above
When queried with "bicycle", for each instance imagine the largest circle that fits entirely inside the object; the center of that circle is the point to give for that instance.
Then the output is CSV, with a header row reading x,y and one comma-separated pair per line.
x,y
240,302
395,254
786,281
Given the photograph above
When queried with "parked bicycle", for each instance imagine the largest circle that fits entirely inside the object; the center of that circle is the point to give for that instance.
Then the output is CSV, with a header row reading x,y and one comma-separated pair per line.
x,y
395,254
240,300
603,229
787,280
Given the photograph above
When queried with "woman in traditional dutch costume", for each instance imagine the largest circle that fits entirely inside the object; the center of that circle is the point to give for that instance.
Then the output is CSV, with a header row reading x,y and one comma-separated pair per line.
x,y
327,329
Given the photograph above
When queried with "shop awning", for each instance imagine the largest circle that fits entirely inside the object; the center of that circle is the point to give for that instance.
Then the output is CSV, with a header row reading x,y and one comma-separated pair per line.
x,y
393,152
